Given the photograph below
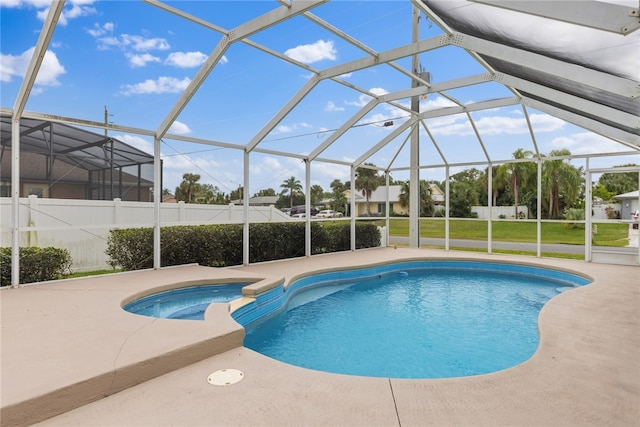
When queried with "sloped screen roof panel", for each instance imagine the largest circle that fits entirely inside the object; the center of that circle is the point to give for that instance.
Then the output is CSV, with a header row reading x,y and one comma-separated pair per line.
x,y
606,52
84,149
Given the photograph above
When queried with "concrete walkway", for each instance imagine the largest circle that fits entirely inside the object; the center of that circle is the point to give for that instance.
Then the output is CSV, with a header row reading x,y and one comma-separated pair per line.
x,y
72,356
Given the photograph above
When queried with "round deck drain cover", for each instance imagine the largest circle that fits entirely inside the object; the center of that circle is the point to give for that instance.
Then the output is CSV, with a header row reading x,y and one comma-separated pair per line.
x,y
225,377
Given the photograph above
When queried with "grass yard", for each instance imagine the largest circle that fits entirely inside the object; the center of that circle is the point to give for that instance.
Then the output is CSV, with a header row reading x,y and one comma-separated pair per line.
x,y
513,231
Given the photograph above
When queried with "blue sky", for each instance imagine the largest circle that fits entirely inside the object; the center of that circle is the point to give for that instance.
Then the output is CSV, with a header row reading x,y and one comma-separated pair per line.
x,y
136,60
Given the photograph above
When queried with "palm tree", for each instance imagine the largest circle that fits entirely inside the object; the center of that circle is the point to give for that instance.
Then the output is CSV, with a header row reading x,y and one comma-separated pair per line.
x,y
316,191
517,174
188,188
426,203
559,177
293,185
367,181
498,181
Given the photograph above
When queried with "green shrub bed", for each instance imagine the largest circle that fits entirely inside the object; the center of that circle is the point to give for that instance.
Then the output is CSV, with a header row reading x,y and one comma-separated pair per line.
x,y
221,245
36,264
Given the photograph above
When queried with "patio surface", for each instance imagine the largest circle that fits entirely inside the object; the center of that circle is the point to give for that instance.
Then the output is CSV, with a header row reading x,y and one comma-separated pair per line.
x,y
71,356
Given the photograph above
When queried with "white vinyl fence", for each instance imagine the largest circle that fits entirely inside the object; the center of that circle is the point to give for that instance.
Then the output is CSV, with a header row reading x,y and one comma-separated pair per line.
x,y
82,226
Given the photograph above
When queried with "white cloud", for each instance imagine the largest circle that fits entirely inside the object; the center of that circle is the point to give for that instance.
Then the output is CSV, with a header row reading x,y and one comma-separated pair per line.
x,y
136,141
101,30
284,129
363,99
586,143
324,173
179,128
139,43
38,4
127,41
495,125
545,123
269,165
137,61
160,85
310,53
436,103
16,66
186,59
292,128
75,8
332,107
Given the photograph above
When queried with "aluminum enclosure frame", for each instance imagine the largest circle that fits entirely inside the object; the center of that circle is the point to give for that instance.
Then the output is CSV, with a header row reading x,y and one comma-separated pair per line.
x,y
604,101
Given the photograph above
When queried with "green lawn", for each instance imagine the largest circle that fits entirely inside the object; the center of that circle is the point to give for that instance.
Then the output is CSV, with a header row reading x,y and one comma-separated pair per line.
x,y
512,231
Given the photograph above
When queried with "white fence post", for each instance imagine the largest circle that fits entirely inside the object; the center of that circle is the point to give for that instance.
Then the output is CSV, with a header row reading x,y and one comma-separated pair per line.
x,y
33,220
182,214
117,211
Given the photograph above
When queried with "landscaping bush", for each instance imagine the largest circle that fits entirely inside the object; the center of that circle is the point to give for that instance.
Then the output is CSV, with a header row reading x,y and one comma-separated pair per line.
x,y
221,245
573,214
36,264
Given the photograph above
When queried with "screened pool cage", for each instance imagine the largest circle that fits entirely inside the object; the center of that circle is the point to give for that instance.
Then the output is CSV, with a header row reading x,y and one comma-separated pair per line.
x,y
588,78
63,161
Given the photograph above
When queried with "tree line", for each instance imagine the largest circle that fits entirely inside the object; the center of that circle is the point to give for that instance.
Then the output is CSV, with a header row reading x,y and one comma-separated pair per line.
x,y
512,184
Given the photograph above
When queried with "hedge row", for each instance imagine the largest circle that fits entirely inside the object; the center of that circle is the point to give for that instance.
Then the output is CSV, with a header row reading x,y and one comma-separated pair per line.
x,y
221,245
36,264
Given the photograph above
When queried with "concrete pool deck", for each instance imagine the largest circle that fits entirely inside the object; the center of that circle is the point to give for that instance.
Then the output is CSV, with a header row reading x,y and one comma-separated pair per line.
x,y
71,356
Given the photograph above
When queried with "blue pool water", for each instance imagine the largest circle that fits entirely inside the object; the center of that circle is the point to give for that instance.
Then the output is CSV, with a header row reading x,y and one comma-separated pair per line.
x,y
420,322
185,303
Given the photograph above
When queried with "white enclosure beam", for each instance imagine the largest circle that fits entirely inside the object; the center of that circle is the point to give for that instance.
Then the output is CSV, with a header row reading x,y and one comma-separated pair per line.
x,y
352,207
434,142
344,128
394,134
476,106
571,72
245,208
625,138
603,16
157,198
282,113
37,57
386,56
242,31
572,101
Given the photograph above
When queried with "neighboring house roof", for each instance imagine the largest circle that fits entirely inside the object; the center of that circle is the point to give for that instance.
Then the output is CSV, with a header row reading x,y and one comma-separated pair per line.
x,y
380,195
625,196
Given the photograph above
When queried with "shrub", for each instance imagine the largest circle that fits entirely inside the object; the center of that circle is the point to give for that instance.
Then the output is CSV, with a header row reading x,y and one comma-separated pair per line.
x,y
573,214
221,245
36,264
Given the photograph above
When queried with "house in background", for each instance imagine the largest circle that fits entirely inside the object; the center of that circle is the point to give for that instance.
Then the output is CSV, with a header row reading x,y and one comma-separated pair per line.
x,y
629,204
64,162
378,200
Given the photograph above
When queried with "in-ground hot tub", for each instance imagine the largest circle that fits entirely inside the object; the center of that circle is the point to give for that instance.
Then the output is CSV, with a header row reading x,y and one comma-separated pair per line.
x,y
188,303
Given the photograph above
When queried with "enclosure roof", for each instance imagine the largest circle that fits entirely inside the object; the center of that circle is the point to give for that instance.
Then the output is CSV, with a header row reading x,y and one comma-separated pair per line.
x,y
78,147
589,71
577,61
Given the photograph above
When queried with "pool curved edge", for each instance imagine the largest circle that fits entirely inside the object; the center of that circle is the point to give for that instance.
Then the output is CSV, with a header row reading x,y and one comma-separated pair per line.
x,y
275,298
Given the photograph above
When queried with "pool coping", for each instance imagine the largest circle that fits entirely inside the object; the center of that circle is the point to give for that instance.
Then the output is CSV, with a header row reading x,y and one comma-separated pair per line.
x,y
110,359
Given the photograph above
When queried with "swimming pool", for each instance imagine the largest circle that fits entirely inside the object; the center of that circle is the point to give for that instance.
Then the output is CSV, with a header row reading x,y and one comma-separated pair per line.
x,y
188,303
421,319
